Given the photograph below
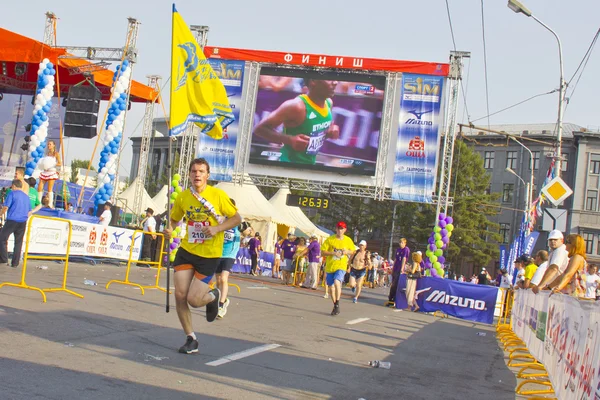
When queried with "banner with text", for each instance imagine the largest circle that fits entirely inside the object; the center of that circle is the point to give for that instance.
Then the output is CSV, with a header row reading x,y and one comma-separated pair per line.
x,y
221,153
459,299
418,138
563,334
243,263
87,240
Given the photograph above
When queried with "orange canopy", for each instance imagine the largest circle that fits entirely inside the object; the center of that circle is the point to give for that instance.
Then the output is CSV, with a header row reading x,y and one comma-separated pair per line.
x,y
16,49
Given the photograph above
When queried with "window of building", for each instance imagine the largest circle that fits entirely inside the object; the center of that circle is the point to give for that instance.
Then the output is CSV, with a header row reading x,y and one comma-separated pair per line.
x,y
595,164
591,201
488,160
589,242
511,159
507,192
505,232
565,162
536,160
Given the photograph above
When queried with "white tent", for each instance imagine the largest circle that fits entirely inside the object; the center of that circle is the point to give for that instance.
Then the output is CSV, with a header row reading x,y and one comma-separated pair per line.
x,y
257,210
126,199
161,200
278,201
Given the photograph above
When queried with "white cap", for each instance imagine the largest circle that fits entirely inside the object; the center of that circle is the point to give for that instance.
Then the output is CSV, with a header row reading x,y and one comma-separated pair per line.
x,y
419,253
362,243
555,234
483,269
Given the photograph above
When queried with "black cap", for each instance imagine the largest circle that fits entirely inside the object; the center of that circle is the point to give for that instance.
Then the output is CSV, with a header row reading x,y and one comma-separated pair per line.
x,y
524,258
151,211
108,203
257,234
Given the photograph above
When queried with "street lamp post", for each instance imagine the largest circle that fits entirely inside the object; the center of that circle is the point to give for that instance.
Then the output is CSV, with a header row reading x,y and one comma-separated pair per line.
x,y
518,7
528,192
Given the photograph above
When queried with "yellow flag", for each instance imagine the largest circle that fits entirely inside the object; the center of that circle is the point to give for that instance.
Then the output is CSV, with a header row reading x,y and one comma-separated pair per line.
x,y
197,94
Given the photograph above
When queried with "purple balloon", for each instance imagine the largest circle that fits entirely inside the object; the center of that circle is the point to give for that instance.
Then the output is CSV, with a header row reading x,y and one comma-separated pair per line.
x,y
444,233
449,220
432,247
444,246
173,246
442,216
433,272
442,223
428,264
431,240
176,240
445,239
441,259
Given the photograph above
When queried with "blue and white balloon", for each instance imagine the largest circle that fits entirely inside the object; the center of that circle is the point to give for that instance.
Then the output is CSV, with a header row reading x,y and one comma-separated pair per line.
x,y
113,133
39,120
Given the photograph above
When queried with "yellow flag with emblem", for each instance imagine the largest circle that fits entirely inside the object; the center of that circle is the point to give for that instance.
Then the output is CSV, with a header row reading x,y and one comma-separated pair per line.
x,y
197,94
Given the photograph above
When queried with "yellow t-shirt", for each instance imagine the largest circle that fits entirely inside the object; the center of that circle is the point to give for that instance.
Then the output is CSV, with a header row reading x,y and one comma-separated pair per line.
x,y
188,207
530,271
332,243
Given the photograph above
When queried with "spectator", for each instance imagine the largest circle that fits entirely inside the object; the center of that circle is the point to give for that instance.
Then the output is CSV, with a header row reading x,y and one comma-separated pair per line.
x,y
569,280
484,277
591,281
18,206
254,248
541,260
530,268
106,215
402,255
411,281
149,225
558,259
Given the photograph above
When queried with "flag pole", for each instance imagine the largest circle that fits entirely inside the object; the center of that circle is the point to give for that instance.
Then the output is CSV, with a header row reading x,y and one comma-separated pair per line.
x,y
169,164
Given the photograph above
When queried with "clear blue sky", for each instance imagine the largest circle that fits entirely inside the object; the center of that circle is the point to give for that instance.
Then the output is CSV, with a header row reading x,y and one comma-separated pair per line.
x,y
522,56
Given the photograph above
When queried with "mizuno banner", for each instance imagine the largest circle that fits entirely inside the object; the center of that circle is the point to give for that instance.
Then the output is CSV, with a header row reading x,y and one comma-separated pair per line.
x,y
503,255
418,138
459,299
221,153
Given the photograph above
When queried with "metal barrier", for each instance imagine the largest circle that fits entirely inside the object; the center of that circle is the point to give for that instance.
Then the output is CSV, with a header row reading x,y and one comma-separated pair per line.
x,y
26,257
130,261
300,271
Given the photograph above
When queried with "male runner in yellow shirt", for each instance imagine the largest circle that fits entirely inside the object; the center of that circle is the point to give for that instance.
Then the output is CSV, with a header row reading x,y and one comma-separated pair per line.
x,y
207,213
337,248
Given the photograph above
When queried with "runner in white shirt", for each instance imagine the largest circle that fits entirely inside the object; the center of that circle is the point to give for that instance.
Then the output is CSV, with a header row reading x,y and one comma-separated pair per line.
x,y
541,260
591,281
559,259
106,215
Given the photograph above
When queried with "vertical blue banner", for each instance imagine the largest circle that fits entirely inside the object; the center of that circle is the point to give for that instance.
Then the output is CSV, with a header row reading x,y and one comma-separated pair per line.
x,y
530,242
418,138
221,153
503,255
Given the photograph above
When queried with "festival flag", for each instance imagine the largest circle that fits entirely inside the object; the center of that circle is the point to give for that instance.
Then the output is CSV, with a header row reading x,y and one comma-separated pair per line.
x,y
197,94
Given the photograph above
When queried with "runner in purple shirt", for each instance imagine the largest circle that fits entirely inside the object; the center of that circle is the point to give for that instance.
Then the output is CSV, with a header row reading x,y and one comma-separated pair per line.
x,y
314,254
289,249
402,255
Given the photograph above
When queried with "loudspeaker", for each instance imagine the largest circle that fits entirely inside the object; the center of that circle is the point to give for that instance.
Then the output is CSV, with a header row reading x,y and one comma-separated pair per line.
x,y
81,114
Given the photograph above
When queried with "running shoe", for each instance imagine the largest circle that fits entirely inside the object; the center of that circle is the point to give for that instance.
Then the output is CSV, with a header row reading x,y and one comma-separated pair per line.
x,y
355,300
223,310
212,308
336,309
190,346
326,296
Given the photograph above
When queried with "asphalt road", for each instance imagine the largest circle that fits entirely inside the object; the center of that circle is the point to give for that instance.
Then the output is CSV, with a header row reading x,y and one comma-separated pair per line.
x,y
119,344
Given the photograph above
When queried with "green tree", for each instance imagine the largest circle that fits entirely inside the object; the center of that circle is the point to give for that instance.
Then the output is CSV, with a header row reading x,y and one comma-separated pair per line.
x,y
75,165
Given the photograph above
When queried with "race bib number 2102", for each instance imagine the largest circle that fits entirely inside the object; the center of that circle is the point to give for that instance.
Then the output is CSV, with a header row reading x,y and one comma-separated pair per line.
x,y
195,234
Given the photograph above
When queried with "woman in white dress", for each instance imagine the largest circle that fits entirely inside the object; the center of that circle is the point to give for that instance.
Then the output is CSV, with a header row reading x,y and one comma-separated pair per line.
x,y
49,173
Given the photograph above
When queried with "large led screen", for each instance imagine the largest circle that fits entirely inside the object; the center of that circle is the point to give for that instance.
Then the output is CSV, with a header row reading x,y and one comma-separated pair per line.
x,y
326,121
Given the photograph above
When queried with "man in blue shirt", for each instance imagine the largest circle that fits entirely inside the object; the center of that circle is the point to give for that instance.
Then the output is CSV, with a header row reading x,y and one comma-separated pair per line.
x,y
18,206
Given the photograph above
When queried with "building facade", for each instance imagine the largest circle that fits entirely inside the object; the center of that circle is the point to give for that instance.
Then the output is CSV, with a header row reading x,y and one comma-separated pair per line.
x,y
158,151
580,170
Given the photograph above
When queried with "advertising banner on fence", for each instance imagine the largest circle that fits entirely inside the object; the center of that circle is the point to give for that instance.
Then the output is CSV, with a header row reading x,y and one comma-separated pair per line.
x,y
87,240
418,138
221,153
459,299
563,334
243,262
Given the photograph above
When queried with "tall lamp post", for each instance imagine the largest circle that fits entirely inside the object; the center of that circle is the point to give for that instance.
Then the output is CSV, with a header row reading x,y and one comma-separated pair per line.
x,y
527,193
519,7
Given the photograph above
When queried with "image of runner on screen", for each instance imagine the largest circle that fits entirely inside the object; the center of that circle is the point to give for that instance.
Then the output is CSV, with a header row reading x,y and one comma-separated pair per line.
x,y
307,122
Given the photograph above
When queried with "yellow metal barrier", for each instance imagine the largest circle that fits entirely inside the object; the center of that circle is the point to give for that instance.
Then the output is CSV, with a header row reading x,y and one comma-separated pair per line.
x,y
26,257
130,261
544,382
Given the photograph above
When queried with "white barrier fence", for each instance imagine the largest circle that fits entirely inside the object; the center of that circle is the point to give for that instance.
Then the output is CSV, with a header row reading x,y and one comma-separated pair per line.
x,y
562,333
87,240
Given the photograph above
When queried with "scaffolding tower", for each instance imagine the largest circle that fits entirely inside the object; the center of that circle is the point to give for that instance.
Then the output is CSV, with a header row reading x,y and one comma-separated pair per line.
x,y
454,78
154,83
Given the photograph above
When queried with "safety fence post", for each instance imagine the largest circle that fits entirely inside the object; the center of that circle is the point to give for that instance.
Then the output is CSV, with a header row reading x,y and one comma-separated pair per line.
x,y
130,260
27,256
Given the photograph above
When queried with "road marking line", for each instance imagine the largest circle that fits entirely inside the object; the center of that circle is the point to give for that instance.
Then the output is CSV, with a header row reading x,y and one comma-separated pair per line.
x,y
243,354
357,321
